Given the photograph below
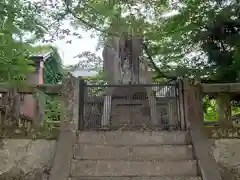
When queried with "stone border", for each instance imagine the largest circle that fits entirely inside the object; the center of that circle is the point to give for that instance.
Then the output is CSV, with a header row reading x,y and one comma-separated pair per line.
x,y
68,127
207,165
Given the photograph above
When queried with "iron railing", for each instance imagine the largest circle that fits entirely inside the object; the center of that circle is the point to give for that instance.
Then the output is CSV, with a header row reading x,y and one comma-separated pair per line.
x,y
130,106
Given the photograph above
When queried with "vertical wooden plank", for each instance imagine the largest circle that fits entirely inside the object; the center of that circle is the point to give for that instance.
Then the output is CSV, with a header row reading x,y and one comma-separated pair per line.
x,y
68,126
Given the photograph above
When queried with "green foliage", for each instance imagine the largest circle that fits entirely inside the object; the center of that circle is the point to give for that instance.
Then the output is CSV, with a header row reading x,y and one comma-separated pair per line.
x,y
202,38
23,23
51,109
17,18
96,80
210,109
53,69
211,31
53,72
52,112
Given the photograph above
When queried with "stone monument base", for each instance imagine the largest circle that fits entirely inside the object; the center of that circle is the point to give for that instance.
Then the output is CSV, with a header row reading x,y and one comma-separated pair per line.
x,y
137,104
125,92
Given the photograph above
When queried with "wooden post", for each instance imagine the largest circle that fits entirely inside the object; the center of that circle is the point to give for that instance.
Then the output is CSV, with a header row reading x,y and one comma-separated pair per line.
x,y
68,126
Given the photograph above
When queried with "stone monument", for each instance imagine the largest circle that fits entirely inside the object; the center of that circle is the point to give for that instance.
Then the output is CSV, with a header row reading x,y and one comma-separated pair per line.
x,y
123,65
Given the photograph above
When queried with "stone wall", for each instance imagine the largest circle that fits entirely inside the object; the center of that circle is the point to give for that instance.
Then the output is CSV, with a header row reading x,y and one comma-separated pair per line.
x,y
26,159
32,159
227,154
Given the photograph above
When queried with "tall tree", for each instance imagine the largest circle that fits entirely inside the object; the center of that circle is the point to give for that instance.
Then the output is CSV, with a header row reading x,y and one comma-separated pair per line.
x,y
201,40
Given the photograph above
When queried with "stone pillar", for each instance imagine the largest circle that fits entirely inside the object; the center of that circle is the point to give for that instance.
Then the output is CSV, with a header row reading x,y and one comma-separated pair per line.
x,y
68,126
69,94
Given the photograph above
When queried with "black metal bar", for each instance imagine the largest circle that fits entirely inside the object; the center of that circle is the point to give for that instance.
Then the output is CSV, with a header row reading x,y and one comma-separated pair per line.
x,y
129,85
81,123
183,104
176,94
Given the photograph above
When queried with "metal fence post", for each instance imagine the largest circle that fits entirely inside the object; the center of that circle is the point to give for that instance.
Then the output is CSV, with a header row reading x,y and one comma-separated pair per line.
x,y
81,123
181,104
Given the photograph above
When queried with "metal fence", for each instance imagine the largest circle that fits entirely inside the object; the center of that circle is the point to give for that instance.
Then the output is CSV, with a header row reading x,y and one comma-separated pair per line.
x,y
130,106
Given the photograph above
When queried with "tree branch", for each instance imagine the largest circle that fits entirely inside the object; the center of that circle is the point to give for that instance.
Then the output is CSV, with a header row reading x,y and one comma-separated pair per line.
x,y
92,26
157,69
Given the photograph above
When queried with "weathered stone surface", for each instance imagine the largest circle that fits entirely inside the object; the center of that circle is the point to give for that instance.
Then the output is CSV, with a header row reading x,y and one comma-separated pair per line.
x,y
227,154
134,138
167,152
137,178
125,114
30,159
133,168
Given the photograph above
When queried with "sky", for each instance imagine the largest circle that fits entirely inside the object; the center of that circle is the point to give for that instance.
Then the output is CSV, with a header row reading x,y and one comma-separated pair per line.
x,y
69,51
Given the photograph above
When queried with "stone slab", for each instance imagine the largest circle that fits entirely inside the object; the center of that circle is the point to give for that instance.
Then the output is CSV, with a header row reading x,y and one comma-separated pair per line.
x,y
162,152
138,178
25,157
133,137
133,168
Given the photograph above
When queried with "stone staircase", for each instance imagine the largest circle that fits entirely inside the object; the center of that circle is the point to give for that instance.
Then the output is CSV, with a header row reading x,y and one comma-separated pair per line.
x,y
136,155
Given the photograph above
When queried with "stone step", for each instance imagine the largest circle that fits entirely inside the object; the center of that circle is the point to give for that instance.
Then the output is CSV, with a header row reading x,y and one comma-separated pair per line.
x,y
162,152
133,137
133,168
139,178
